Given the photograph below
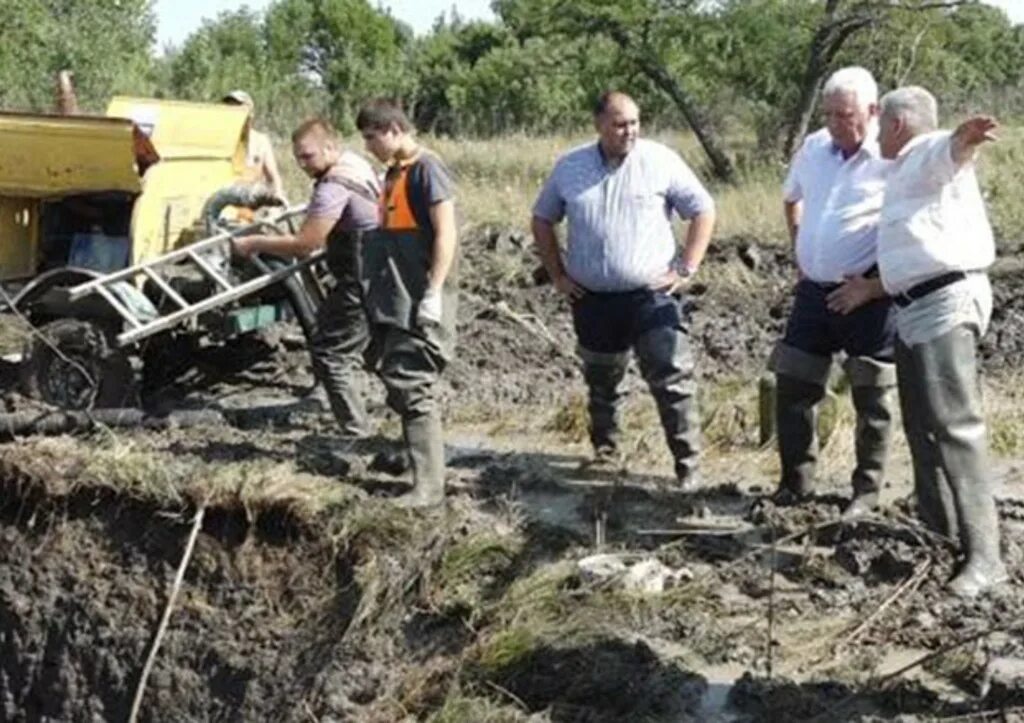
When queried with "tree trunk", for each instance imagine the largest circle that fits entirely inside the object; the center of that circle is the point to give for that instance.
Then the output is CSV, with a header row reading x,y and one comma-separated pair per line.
x,y
830,36
721,165
706,135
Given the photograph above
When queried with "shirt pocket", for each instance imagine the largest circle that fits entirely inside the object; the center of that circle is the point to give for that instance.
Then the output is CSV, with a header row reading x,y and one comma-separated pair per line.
x,y
646,201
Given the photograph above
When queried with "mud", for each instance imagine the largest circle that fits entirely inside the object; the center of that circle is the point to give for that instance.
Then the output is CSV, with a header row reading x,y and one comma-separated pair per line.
x,y
358,613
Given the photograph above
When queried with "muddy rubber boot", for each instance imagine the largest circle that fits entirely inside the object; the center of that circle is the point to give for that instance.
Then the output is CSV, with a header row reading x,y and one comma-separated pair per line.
x,y
425,441
873,433
946,379
667,365
795,420
935,503
979,533
603,374
336,349
983,569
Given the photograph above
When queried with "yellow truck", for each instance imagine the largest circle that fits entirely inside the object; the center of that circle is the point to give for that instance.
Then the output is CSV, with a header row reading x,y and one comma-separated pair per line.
x,y
112,241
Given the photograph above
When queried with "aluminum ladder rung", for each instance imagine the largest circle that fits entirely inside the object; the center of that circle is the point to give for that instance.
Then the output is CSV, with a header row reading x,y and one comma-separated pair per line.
x,y
237,291
120,308
210,271
182,254
165,287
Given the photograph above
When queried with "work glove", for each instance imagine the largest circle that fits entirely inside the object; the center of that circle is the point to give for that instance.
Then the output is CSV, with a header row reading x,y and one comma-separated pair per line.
x,y
429,311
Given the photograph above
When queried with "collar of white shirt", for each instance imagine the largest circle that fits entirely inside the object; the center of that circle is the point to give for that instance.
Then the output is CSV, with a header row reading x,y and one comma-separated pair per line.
x,y
912,143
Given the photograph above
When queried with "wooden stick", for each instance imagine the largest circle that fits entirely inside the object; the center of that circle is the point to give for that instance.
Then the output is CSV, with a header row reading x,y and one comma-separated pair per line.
x,y
197,524
908,585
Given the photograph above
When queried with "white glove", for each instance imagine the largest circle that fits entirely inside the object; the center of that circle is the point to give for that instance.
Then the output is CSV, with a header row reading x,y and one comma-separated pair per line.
x,y
430,308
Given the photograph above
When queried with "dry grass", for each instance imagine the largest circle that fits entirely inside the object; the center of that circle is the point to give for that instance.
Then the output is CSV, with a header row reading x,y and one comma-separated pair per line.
x,y
127,467
498,181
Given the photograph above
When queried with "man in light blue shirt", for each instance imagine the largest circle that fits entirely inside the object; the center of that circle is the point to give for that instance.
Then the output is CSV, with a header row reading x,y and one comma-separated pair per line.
x,y
623,274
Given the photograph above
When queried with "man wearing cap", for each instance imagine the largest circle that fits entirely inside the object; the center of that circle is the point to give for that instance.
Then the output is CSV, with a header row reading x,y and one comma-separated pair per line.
x,y
343,206
259,155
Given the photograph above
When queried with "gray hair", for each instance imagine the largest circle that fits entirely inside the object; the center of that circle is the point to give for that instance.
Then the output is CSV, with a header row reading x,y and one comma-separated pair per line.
x,y
915,105
855,80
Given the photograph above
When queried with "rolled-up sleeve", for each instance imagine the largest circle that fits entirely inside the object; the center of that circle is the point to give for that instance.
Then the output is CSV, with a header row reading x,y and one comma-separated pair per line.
x,y
550,206
685,192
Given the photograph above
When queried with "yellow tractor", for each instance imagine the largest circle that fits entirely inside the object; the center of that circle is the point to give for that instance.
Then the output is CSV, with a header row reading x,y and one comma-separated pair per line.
x,y
113,244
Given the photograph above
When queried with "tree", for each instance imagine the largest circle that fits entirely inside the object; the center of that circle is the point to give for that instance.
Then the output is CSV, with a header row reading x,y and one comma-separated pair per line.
x,y
107,43
654,37
840,20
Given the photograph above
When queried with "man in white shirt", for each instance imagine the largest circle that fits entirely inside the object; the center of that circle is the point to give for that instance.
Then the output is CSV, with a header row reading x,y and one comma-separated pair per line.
x,y
934,244
832,199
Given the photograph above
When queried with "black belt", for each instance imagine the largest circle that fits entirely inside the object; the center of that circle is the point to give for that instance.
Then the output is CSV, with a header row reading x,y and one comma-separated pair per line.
x,y
926,287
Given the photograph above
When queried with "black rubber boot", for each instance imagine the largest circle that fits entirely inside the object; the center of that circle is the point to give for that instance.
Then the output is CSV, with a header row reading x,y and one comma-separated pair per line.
x,y
943,372
873,434
603,378
425,441
795,421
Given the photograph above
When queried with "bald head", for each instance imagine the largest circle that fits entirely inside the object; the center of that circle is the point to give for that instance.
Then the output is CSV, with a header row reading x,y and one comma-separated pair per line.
x,y
609,99
617,119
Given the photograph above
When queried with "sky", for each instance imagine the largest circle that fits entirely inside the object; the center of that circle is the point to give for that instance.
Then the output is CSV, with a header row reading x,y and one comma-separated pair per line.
x,y
176,19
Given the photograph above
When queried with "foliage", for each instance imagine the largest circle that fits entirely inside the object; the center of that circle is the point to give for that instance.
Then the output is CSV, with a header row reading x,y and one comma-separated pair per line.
x,y
728,69
106,42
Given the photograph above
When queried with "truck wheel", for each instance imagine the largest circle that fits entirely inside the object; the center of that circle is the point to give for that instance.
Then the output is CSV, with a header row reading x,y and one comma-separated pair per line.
x,y
70,364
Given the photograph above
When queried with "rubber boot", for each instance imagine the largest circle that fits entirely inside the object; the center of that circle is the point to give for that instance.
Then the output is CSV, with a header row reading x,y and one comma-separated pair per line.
x,y
667,366
935,503
950,384
425,442
336,348
873,434
795,424
603,374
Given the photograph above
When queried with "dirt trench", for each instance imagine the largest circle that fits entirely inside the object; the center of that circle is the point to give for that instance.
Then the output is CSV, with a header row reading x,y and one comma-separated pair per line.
x,y
84,577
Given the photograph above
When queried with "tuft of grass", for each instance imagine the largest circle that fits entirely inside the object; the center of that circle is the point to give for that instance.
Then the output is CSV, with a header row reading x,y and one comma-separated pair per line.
x,y
470,569
127,467
1004,414
571,420
460,708
508,646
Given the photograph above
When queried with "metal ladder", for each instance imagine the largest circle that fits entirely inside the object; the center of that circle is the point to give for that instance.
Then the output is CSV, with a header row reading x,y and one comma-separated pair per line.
x,y
187,311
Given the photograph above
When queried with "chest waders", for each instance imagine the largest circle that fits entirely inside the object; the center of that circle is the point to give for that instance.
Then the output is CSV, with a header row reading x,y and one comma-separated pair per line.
x,y
409,357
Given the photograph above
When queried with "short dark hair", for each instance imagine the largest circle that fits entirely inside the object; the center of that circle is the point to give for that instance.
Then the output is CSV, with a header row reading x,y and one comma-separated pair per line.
x,y
318,124
382,113
606,98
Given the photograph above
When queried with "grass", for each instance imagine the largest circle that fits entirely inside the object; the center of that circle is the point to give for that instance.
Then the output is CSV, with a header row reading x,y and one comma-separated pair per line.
x,y
131,468
498,181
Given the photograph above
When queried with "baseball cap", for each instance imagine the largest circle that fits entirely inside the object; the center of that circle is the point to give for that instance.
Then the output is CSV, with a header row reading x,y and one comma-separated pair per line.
x,y
238,96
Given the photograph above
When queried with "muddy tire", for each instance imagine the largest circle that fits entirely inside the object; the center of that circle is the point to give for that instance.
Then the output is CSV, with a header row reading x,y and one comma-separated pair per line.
x,y
70,364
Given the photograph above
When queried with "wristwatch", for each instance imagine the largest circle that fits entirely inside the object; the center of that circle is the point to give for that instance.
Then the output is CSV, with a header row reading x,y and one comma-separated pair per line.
x,y
685,270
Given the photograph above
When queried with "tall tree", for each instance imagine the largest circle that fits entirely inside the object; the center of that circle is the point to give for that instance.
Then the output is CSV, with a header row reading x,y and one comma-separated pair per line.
x,y
106,43
840,20
655,37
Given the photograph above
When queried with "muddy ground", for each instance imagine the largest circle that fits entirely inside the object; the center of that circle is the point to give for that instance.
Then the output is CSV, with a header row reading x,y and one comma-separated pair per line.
x,y
309,598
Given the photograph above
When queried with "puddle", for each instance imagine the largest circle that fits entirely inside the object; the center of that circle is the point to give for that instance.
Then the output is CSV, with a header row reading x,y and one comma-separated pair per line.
x,y
714,706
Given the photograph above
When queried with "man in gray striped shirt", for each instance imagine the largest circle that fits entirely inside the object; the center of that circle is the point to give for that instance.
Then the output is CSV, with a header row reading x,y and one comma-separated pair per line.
x,y
623,274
